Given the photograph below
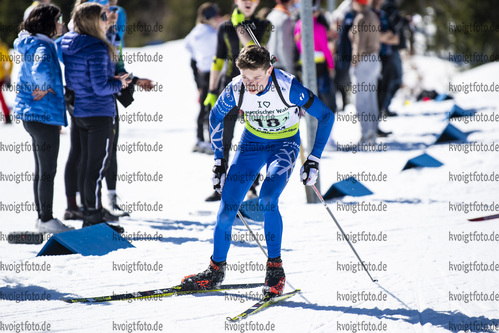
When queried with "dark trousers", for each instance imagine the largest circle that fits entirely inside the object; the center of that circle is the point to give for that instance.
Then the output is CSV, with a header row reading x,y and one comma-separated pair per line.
x,y
73,162
203,82
45,140
389,82
112,171
341,82
96,136
325,86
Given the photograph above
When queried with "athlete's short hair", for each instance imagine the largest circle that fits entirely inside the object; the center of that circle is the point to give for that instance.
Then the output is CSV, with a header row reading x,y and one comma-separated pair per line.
x,y
253,57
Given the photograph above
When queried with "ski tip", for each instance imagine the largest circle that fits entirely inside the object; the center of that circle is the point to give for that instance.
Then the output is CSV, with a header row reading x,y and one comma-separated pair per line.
x,y
67,300
484,218
234,319
292,292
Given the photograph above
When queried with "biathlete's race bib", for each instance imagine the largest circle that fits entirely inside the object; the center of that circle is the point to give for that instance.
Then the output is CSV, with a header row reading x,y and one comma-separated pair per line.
x,y
270,125
270,115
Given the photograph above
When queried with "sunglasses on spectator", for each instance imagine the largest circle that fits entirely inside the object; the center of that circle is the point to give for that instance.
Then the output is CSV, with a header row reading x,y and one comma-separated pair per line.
x,y
113,9
103,16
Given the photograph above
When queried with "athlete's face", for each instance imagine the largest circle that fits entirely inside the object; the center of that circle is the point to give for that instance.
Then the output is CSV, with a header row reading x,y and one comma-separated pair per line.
x,y
247,7
255,80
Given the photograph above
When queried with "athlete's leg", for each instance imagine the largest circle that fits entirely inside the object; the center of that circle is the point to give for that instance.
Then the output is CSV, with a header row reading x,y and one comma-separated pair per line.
x,y
279,168
243,171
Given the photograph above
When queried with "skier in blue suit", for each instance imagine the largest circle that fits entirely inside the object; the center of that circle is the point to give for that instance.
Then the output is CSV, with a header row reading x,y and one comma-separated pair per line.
x,y
271,101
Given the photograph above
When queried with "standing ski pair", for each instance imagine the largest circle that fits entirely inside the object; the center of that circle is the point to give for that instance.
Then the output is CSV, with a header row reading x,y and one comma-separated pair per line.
x,y
271,100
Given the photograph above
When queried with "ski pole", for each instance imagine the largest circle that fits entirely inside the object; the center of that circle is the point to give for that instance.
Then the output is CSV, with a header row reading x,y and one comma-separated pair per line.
x,y
251,232
339,227
260,245
246,26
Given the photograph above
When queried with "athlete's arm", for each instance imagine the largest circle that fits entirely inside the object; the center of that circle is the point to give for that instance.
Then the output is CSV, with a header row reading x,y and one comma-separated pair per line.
x,y
215,74
304,98
224,104
221,54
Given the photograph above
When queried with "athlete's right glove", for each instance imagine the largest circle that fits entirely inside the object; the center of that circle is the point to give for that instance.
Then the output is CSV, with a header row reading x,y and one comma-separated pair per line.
x,y
210,100
219,174
310,170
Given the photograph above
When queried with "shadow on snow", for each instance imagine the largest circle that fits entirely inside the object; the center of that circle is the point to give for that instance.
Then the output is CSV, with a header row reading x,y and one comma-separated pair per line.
x,y
453,321
21,293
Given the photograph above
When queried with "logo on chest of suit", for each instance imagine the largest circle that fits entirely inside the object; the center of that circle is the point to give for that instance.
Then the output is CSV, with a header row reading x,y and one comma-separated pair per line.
x,y
266,104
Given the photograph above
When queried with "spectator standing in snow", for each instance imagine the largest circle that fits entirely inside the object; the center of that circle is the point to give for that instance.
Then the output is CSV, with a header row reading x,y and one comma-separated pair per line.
x,y
40,104
323,57
201,43
125,97
365,68
71,174
388,38
281,43
89,72
400,24
344,17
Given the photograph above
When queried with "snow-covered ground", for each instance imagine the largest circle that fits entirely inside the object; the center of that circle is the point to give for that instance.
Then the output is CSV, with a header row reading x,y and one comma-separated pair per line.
x,y
437,272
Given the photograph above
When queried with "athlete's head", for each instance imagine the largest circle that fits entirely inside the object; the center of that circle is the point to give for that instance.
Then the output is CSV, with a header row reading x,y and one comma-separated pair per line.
x,y
254,63
247,7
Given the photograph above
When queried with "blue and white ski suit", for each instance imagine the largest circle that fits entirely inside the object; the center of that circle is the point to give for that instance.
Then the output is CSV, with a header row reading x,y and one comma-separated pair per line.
x,y
271,137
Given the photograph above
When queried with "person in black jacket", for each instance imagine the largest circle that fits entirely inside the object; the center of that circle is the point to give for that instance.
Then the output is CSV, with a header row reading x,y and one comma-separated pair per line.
x,y
232,37
400,24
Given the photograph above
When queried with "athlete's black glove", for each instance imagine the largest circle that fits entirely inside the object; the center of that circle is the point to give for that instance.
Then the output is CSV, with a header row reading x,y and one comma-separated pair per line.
x,y
310,170
219,174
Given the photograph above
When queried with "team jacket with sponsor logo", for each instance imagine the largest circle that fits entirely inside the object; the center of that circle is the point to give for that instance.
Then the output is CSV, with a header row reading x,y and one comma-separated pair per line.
x,y
272,114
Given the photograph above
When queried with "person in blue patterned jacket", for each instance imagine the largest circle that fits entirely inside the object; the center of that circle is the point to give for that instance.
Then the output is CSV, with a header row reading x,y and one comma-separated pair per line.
x,y
40,105
270,99
89,71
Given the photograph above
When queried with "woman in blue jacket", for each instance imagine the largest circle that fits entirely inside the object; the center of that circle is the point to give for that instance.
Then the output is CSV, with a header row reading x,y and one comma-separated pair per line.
x,y
40,104
89,71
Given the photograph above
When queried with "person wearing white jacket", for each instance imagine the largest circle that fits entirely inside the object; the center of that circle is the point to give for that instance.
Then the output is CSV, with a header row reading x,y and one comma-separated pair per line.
x,y
201,43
